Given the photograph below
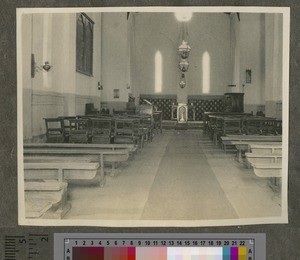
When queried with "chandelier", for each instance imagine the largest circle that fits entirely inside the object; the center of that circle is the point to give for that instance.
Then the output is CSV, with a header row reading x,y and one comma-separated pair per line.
x,y
184,50
183,65
182,81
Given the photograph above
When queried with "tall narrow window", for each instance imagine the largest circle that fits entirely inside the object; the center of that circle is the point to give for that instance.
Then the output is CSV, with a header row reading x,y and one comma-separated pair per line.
x,y
158,72
84,44
206,72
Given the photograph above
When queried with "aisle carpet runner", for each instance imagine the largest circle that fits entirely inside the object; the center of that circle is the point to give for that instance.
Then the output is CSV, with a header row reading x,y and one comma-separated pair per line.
x,y
185,188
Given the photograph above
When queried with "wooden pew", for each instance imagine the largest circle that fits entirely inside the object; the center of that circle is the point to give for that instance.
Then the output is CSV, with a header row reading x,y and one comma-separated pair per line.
x,y
266,161
244,139
127,131
130,148
78,151
61,169
46,186
101,130
35,208
273,170
157,117
278,127
45,198
147,123
243,146
55,131
79,131
146,126
266,149
254,158
225,125
66,125
146,111
110,147
207,114
259,125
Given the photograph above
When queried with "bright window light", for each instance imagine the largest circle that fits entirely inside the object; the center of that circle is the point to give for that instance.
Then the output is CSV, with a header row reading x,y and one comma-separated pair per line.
x,y
158,72
183,16
206,72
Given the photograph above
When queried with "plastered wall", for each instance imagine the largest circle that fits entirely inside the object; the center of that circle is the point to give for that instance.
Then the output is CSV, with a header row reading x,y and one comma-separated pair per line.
x,y
61,90
133,53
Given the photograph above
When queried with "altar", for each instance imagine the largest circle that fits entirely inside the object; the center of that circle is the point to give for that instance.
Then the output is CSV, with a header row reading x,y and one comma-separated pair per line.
x,y
180,112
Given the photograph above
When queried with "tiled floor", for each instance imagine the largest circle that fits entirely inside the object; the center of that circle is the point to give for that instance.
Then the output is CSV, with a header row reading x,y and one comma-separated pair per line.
x,y
181,175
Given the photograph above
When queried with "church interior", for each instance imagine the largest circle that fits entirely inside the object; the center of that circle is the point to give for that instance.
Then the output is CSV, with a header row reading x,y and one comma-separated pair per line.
x,y
152,115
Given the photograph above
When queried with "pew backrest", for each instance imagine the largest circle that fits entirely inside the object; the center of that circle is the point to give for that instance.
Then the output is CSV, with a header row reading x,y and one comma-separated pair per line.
x,y
112,147
60,170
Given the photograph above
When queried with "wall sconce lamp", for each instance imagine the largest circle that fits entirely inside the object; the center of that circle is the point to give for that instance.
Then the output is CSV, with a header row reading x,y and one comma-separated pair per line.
x,y
35,68
47,66
100,86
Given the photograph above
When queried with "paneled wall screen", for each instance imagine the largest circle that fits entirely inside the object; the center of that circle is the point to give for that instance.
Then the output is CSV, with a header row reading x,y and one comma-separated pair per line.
x,y
84,44
162,102
205,104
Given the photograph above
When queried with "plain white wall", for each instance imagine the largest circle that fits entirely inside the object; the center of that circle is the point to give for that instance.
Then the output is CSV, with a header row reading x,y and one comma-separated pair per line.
x,y
251,54
60,91
161,32
115,56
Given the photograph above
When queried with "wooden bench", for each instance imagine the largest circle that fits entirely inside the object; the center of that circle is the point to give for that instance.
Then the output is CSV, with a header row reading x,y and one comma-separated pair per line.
x,y
266,149
266,160
55,131
227,140
45,199
94,152
127,131
62,169
244,146
66,125
101,130
226,125
206,117
45,180
36,209
110,147
146,126
259,125
157,118
263,170
254,158
79,131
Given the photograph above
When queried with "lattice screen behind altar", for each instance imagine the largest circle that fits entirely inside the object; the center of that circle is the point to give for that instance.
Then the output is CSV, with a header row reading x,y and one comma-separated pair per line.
x,y
201,103
205,104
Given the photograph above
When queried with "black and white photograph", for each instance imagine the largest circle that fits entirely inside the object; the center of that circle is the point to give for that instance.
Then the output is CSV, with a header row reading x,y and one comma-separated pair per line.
x,y
153,116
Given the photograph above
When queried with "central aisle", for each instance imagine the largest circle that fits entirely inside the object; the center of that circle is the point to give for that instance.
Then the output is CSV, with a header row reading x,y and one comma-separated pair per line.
x,y
185,188
181,175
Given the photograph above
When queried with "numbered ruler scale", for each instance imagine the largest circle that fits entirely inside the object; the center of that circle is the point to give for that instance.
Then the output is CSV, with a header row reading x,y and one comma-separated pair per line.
x,y
168,248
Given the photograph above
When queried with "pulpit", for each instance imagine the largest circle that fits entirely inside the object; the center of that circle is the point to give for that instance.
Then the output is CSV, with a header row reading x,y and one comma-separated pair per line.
x,y
182,113
234,102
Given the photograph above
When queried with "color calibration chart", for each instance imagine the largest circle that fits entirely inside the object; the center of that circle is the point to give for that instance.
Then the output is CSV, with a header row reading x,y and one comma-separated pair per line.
x,y
160,246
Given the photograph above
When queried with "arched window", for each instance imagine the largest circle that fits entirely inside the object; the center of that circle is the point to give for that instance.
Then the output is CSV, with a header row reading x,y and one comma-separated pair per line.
x,y
158,72
84,44
205,73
